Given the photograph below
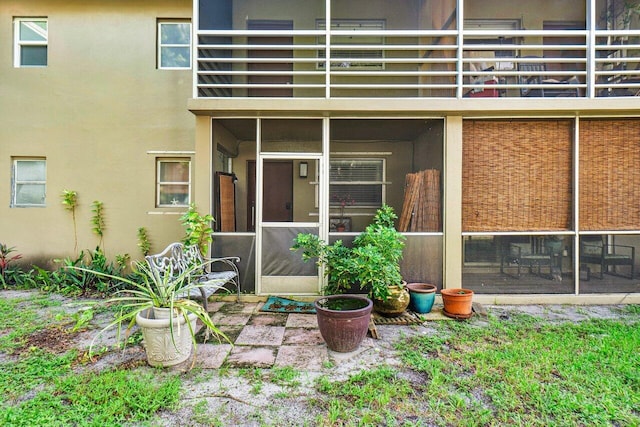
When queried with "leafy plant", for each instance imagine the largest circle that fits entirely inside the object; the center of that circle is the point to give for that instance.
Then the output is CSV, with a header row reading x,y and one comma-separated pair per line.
x,y
143,241
5,260
197,229
373,263
70,281
157,289
70,201
97,220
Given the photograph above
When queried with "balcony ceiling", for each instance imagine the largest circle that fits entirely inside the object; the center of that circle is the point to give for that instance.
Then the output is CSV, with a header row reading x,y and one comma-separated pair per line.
x,y
356,130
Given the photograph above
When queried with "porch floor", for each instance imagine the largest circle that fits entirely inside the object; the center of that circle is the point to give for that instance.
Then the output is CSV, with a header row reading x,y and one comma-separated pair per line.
x,y
496,283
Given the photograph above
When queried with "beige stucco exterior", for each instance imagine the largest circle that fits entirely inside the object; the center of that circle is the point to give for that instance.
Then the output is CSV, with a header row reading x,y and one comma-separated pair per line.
x,y
95,113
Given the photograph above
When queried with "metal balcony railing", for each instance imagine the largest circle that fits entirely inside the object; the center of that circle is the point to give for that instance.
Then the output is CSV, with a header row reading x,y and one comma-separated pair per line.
x,y
417,64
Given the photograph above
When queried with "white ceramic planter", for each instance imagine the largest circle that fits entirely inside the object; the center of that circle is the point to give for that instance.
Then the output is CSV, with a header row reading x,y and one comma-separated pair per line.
x,y
161,349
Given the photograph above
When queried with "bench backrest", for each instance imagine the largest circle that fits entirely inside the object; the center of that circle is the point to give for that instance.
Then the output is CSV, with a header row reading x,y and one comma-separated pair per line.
x,y
175,260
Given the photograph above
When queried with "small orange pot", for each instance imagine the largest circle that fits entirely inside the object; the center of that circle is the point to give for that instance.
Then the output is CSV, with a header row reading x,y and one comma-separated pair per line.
x,y
457,302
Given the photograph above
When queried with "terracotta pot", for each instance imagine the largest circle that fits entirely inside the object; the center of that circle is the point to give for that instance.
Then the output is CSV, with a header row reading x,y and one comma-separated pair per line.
x,y
343,320
161,348
422,297
457,302
395,304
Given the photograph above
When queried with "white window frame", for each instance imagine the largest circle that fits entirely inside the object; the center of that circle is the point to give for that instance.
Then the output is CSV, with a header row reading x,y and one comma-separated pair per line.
x,y
19,44
160,184
15,182
161,45
382,184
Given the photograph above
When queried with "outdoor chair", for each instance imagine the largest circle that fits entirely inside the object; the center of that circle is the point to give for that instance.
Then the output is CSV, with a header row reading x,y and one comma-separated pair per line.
x,y
597,251
532,73
522,255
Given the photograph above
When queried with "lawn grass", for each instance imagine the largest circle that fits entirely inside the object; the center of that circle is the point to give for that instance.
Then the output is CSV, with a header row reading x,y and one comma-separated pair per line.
x,y
19,318
110,398
518,370
39,388
525,371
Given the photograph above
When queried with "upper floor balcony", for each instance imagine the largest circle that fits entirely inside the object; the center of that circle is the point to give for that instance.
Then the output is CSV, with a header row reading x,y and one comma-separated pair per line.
x,y
417,48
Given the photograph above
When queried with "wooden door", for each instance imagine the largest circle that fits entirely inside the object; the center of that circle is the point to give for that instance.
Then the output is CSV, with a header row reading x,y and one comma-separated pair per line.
x,y
225,202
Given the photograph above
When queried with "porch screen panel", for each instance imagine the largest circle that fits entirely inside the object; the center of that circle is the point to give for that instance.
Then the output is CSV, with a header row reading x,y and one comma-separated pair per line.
x,y
609,175
516,175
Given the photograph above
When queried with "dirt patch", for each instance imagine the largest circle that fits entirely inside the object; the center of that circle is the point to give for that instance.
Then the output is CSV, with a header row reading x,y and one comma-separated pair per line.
x,y
54,340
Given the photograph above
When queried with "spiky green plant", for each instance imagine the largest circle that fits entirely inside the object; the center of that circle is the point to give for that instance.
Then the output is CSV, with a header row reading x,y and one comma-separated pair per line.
x,y
97,220
70,201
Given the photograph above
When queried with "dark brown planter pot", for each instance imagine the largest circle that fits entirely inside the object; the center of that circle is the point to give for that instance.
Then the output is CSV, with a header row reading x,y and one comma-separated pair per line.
x,y
457,302
395,304
343,329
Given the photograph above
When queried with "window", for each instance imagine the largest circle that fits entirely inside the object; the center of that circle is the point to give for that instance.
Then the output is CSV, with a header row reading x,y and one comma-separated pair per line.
x,y
29,183
223,161
31,37
173,182
357,182
174,45
343,57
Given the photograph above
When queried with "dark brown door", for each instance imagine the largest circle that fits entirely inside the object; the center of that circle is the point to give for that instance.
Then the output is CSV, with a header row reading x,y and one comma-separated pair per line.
x,y
286,67
277,203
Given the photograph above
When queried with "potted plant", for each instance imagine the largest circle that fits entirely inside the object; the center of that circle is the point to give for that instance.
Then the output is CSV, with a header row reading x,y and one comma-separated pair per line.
x,y
372,265
422,296
378,252
157,303
457,302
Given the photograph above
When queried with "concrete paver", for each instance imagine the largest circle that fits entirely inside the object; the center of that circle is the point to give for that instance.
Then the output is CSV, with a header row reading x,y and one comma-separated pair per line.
x,y
242,356
306,357
297,320
212,356
261,335
302,336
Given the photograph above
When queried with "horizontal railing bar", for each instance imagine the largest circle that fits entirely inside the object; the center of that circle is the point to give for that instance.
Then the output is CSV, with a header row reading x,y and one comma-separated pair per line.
x,y
261,73
260,86
337,73
364,33
418,47
524,33
411,60
392,86
394,73
523,73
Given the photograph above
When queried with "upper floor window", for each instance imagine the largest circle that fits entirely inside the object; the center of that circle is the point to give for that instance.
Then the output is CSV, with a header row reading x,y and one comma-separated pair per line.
x,y
173,184
28,183
31,37
174,45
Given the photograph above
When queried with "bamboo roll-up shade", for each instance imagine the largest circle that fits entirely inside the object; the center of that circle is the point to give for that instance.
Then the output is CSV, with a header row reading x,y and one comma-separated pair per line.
x,y
516,175
609,175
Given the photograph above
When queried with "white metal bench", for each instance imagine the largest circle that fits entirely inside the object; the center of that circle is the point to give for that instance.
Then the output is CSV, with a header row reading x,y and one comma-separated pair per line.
x,y
176,258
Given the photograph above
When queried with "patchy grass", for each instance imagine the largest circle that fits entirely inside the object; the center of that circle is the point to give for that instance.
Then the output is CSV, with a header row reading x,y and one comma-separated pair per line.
x,y
38,384
107,399
519,370
376,397
528,372
19,318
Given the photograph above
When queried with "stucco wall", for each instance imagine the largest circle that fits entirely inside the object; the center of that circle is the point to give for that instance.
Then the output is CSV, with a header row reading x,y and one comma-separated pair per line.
x,y
94,112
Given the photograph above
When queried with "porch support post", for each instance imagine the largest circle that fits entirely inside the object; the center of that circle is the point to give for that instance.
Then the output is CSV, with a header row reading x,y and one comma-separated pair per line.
x,y
453,203
202,168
